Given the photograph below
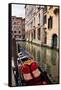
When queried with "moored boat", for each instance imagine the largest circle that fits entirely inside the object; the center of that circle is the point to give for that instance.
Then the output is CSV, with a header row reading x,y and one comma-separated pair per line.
x,y
30,70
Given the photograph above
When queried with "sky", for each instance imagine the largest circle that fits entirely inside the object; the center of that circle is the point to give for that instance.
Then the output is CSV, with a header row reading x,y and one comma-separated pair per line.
x,y
18,10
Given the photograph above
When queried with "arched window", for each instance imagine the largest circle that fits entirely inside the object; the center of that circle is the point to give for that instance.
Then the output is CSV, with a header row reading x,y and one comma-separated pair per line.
x,y
38,34
44,19
50,22
14,31
39,18
34,33
45,38
54,41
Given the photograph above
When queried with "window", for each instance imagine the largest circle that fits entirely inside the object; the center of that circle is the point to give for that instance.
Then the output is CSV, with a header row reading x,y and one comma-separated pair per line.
x,y
39,18
14,31
34,20
11,31
56,11
15,36
20,36
38,7
54,41
34,34
45,39
31,24
45,9
44,19
50,22
14,22
23,36
38,34
19,32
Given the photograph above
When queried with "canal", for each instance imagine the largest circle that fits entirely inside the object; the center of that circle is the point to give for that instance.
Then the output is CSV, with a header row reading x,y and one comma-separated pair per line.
x,y
47,58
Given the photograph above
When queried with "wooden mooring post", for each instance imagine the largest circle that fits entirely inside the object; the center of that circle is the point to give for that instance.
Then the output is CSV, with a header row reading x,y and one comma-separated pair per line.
x,y
14,53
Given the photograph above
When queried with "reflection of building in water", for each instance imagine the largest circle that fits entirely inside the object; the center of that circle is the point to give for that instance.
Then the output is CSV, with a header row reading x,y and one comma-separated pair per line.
x,y
42,25
18,28
52,64
47,58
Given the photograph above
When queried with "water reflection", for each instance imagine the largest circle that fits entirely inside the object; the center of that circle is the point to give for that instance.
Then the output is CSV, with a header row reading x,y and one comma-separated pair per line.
x,y
47,58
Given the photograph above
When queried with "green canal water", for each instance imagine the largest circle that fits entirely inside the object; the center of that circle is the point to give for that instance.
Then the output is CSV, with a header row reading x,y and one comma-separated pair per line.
x,y
47,58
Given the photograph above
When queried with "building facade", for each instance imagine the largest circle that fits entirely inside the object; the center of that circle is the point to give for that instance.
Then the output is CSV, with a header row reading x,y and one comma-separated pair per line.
x,y
51,26
42,25
33,23
18,28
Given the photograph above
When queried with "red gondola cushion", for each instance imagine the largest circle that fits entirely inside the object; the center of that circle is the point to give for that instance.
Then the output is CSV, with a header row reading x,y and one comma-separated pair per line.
x,y
25,69
34,66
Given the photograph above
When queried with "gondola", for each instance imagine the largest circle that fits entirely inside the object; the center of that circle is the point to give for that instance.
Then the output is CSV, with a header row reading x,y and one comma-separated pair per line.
x,y
29,70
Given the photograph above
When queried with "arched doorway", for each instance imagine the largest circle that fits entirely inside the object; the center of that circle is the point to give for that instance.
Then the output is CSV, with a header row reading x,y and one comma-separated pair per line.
x,y
54,41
